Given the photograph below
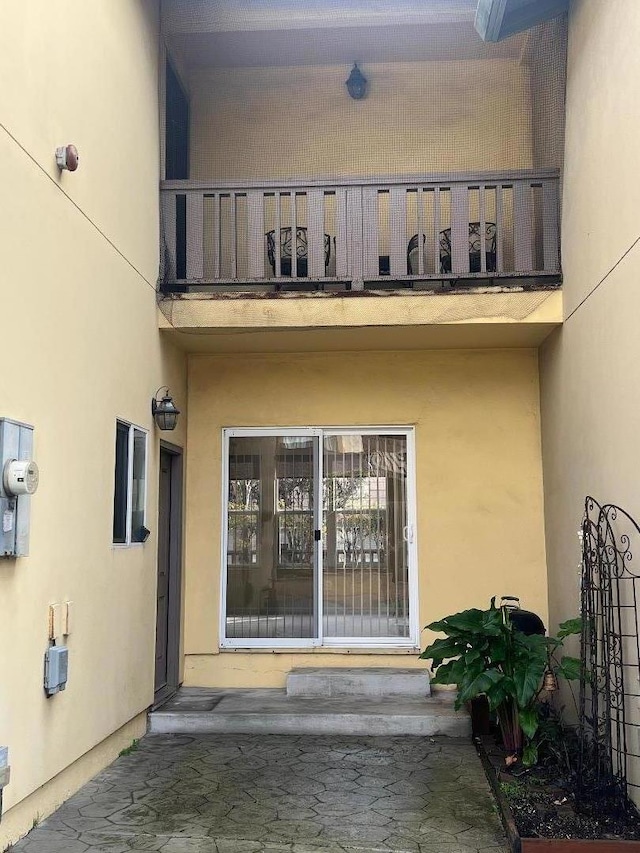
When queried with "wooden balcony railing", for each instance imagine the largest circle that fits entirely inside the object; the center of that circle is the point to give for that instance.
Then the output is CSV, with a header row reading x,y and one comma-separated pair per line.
x,y
447,227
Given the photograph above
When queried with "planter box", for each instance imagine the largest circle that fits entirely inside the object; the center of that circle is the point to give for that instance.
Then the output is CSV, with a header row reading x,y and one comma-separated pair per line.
x,y
575,845
518,844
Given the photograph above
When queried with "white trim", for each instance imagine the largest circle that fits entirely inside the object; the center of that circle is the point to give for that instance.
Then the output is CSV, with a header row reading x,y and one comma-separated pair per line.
x,y
368,642
317,544
412,518
413,639
298,643
258,432
224,504
129,485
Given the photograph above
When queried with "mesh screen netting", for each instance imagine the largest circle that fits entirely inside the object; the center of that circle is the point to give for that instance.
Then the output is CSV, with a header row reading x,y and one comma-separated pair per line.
x,y
446,172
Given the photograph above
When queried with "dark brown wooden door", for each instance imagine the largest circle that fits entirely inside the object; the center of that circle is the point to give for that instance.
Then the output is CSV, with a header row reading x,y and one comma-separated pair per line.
x,y
168,589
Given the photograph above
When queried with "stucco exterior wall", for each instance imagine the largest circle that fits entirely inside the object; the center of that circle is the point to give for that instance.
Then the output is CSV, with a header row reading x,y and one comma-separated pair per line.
x,y
589,369
479,487
417,118
546,56
81,348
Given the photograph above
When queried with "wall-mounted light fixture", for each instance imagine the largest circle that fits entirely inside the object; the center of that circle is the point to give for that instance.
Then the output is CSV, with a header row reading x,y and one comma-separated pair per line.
x,y
164,411
67,157
357,83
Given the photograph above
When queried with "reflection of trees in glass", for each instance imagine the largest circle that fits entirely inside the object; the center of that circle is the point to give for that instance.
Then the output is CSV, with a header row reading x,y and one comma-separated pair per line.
x,y
295,493
244,508
358,507
361,538
295,522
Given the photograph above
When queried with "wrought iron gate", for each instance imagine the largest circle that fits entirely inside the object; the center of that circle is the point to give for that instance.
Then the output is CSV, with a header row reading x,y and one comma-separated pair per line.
x,y
610,655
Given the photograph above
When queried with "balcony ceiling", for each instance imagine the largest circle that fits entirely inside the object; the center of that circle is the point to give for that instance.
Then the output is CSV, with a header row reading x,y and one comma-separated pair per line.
x,y
240,33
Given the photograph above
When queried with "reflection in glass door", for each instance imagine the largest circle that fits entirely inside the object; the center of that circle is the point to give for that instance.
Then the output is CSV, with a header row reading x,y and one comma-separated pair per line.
x,y
365,575
318,544
271,561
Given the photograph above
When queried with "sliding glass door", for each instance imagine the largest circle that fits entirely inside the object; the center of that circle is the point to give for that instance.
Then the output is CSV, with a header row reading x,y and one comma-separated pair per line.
x,y
318,543
365,566
271,553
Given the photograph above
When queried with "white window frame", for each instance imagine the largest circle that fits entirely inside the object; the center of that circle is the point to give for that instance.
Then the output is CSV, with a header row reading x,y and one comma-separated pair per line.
x,y
128,543
413,640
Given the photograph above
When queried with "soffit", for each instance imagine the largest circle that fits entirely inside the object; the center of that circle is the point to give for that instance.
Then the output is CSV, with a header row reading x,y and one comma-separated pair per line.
x,y
240,33
185,16
486,336
339,46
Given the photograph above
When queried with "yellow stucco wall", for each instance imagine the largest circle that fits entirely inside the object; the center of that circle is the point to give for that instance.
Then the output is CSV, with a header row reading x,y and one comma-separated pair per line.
x,y
479,482
417,118
590,369
602,192
81,348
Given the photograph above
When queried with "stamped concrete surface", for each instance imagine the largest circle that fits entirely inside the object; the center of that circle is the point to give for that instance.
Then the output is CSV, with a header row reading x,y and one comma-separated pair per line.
x,y
276,793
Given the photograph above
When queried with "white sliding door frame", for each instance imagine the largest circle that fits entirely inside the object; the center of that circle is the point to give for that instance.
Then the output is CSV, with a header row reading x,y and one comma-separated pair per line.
x,y
412,641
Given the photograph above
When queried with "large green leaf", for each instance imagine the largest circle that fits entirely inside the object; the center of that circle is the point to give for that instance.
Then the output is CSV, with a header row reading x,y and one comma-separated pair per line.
x,y
463,622
497,650
501,692
482,683
483,653
527,675
493,622
529,720
534,643
571,626
449,673
569,668
443,649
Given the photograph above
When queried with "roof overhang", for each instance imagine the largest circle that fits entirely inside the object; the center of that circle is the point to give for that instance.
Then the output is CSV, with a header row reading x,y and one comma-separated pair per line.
x,y
498,19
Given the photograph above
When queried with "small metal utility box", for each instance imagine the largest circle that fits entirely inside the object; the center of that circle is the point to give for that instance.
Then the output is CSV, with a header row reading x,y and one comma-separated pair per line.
x,y
56,668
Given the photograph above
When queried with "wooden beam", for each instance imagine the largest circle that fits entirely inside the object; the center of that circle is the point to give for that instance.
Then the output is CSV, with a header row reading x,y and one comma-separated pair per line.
x,y
499,19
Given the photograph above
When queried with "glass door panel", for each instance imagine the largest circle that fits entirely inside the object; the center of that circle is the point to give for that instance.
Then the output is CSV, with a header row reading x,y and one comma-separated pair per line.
x,y
271,555
365,560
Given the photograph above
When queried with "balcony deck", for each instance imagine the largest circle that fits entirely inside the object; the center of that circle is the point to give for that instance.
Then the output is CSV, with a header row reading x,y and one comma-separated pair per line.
x,y
475,229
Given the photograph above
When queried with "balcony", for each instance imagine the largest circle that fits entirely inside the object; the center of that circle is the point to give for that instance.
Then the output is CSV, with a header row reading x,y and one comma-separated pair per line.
x,y
433,232
295,217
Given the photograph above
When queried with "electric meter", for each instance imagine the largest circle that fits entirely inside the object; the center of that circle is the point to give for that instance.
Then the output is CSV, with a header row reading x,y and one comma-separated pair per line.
x,y
20,477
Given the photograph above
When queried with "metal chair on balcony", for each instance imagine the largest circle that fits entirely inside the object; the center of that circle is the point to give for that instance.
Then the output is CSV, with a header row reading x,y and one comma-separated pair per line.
x,y
286,246
412,255
475,248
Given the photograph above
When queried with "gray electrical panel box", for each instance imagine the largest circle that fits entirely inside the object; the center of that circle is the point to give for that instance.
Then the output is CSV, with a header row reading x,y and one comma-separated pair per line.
x,y
4,766
56,668
16,444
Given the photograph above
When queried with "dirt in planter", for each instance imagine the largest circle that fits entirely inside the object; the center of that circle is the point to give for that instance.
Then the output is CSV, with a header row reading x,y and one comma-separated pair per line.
x,y
543,803
541,809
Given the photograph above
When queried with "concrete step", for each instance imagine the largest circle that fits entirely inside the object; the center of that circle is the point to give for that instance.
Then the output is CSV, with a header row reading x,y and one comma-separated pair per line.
x,y
201,710
379,682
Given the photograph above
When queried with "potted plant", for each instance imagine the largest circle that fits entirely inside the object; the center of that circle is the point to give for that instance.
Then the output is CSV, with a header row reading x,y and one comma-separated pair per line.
x,y
484,654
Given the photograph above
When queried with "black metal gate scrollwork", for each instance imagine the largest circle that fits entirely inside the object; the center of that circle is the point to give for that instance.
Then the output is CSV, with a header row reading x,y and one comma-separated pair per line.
x,y
609,723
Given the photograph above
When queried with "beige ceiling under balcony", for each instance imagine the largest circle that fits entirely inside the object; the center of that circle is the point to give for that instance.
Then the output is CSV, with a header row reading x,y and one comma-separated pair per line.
x,y
241,33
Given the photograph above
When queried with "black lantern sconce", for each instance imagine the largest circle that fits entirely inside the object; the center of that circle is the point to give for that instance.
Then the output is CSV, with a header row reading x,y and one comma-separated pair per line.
x,y
357,83
164,411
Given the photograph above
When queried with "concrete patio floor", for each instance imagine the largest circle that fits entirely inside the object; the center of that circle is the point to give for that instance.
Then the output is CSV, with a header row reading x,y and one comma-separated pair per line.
x,y
277,793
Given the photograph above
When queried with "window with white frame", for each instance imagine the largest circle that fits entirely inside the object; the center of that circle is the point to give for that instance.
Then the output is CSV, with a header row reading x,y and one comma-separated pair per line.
x,y
130,485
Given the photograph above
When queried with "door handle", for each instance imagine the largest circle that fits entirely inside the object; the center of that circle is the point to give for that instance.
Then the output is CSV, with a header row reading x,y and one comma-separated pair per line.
x,y
407,533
